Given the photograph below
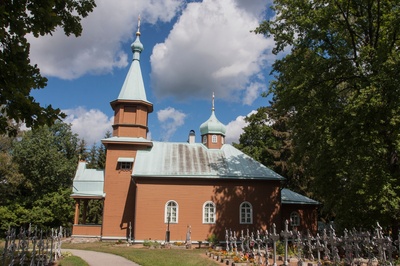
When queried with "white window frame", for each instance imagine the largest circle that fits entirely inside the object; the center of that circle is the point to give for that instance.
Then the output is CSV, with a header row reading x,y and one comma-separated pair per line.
x,y
125,165
174,215
214,139
246,213
208,214
294,219
205,139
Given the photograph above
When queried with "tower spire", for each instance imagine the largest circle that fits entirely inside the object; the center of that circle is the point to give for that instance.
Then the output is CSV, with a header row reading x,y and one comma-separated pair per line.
x,y
132,107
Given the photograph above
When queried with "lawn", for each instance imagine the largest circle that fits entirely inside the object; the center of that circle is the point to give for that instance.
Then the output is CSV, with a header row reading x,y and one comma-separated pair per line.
x,y
149,257
72,261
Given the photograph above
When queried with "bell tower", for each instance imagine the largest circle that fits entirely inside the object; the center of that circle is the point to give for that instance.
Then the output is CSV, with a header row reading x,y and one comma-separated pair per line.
x,y
131,108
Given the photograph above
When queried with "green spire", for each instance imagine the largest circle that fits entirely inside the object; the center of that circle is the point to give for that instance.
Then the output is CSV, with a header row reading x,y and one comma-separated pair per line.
x,y
133,87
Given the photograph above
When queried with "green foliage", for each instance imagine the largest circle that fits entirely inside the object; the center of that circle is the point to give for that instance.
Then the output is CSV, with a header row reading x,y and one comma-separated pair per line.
x,y
36,178
149,243
17,20
339,82
212,239
94,212
268,139
47,158
96,156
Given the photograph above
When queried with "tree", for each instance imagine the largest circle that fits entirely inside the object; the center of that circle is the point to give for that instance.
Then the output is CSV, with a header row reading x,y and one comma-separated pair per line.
x,y
10,179
267,138
36,171
18,77
47,157
340,83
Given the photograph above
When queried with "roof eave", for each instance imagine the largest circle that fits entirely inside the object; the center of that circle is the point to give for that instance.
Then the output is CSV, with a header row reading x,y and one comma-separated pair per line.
x,y
175,176
87,196
301,203
149,105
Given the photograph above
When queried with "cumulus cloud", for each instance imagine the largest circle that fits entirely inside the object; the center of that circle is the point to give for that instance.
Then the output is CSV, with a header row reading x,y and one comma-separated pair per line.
x,y
98,50
211,48
90,125
170,120
252,92
235,128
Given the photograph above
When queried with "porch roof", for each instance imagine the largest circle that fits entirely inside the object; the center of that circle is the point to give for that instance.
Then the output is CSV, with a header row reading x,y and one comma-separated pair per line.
x,y
291,197
88,183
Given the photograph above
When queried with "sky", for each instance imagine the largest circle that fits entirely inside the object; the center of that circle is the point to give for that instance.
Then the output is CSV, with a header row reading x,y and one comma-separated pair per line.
x,y
192,49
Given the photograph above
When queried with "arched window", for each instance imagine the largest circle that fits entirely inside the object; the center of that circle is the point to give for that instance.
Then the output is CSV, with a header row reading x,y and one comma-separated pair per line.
x,y
246,213
214,138
294,219
204,139
171,212
209,212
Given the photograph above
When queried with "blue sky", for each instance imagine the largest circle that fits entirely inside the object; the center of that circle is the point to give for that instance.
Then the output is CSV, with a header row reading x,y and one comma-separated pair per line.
x,y
191,49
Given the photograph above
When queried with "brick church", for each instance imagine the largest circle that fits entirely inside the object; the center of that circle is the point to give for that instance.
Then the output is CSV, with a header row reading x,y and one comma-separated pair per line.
x,y
150,187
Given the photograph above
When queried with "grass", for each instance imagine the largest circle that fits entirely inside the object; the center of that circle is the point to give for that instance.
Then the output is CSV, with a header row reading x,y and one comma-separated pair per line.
x,y
72,261
149,257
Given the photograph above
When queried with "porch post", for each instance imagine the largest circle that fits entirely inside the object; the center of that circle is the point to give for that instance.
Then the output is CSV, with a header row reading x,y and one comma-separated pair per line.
x,y
85,203
77,206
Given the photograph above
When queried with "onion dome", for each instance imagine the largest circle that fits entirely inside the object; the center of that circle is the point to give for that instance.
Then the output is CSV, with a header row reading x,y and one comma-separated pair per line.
x,y
212,125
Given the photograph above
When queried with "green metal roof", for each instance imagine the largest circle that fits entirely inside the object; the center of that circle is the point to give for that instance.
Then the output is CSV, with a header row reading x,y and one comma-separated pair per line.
x,y
212,126
291,197
197,161
88,182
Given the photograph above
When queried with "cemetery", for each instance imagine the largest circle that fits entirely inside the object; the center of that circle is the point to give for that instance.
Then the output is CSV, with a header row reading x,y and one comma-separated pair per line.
x,y
32,247
290,247
239,248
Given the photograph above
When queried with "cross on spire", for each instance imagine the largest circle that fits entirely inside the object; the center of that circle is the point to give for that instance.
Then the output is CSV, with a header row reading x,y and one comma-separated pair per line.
x,y
138,27
213,99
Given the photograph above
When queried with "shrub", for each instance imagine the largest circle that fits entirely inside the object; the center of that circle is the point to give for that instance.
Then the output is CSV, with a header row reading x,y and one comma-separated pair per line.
x,y
212,239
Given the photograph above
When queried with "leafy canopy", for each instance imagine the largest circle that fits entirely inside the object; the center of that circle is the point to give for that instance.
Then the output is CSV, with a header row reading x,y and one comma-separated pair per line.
x,y
18,18
36,172
339,78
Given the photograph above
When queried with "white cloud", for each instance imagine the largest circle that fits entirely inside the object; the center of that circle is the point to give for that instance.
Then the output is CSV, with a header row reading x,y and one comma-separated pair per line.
x,y
235,128
98,50
209,49
252,92
91,125
170,120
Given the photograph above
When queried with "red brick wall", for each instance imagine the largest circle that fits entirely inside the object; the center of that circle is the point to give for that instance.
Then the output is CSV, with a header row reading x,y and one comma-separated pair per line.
x,y
152,195
212,145
120,192
308,216
86,230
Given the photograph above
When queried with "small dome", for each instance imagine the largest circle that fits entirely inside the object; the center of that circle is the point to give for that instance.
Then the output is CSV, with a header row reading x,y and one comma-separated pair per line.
x,y
212,126
137,46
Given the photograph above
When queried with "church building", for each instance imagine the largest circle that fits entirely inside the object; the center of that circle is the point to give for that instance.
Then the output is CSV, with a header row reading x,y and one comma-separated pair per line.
x,y
155,190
